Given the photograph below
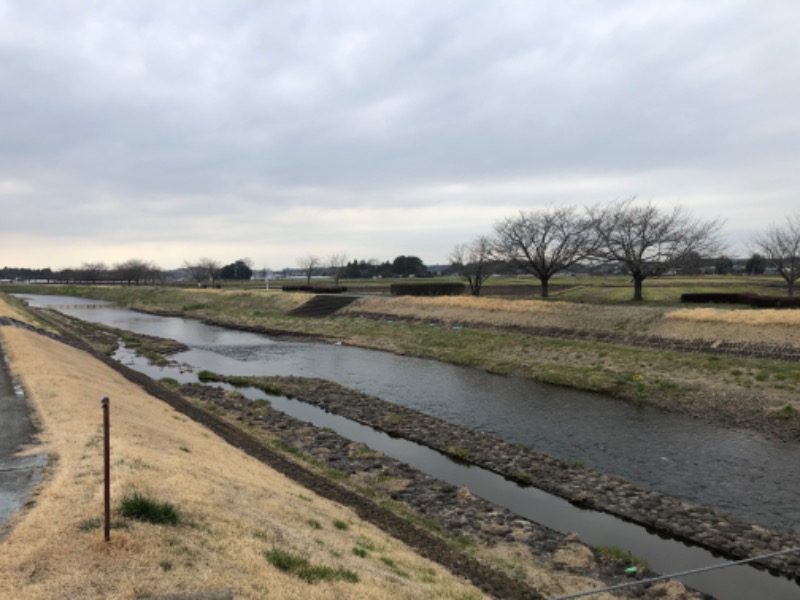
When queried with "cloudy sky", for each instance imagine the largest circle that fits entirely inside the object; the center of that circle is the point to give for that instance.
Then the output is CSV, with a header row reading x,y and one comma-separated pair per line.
x,y
170,131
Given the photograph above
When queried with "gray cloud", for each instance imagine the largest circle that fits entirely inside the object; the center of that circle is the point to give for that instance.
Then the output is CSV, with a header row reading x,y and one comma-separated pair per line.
x,y
135,123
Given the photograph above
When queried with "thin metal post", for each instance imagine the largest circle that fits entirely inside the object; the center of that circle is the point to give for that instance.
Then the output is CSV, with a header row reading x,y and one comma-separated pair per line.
x,y
107,469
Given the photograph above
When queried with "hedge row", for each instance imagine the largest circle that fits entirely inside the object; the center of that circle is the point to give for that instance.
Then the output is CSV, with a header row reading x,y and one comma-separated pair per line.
x,y
745,299
427,289
314,289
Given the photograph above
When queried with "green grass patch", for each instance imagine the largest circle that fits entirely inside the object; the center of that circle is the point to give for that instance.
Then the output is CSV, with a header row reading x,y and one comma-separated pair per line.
x,y
787,413
142,508
238,381
520,477
206,376
195,306
301,568
614,554
366,544
458,453
341,525
393,566
461,541
392,419
170,382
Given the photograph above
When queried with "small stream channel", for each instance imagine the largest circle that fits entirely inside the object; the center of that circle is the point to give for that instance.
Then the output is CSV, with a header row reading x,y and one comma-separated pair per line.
x,y
603,434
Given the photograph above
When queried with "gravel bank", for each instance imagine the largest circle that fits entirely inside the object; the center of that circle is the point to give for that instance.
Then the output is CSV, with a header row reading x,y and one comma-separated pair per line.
x,y
444,507
699,525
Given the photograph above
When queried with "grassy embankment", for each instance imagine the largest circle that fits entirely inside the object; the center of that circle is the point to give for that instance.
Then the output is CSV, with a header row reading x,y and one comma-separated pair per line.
x,y
451,330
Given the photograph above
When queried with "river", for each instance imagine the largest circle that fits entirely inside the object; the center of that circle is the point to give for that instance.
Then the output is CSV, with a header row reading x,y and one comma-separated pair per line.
x,y
739,473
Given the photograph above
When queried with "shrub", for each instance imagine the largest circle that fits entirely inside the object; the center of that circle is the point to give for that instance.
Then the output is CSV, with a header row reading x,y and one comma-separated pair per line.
x,y
753,300
314,289
715,297
775,301
427,289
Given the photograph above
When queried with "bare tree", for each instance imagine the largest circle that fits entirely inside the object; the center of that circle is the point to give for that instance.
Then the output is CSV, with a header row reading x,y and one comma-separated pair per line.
x,y
780,245
156,274
474,262
648,241
544,242
132,271
195,271
212,268
308,264
92,272
336,263
204,270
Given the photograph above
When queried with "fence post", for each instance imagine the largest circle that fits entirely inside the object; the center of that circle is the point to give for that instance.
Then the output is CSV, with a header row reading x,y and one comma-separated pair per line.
x,y
106,469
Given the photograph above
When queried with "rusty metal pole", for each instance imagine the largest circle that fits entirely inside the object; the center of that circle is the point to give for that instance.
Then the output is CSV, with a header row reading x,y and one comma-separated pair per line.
x,y
107,469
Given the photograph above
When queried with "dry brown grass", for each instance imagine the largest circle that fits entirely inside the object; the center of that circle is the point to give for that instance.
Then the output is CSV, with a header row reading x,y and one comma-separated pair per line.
x,y
235,507
738,316
12,308
474,302
470,309
274,298
739,325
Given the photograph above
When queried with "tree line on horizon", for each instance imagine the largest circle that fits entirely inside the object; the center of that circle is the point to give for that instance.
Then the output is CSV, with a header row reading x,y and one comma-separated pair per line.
x,y
638,239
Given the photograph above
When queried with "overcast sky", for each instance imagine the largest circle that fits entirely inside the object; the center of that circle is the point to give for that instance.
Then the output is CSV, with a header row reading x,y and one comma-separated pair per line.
x,y
169,131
